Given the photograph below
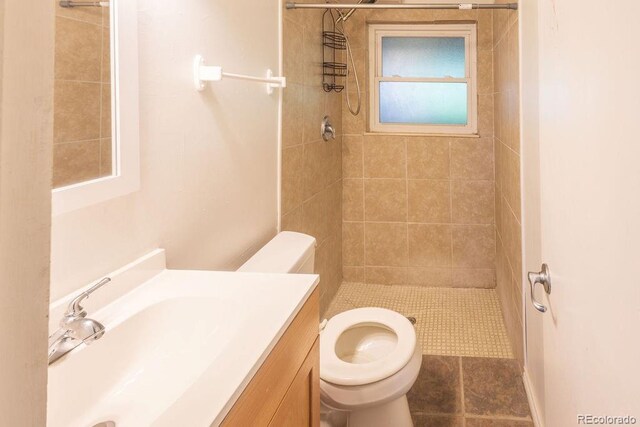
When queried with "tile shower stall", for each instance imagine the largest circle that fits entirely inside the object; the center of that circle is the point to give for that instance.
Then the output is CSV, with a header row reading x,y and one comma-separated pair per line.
x,y
425,224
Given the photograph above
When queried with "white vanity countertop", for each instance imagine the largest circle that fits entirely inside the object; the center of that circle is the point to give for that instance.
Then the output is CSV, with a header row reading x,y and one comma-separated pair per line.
x,y
179,349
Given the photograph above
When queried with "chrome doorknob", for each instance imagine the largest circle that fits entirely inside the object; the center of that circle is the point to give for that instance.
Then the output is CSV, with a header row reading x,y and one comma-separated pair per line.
x,y
544,278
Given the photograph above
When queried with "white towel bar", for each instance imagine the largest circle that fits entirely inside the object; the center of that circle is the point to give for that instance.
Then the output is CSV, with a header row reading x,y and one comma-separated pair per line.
x,y
206,73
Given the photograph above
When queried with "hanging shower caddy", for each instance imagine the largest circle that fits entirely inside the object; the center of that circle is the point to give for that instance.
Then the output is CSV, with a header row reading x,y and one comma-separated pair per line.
x,y
333,41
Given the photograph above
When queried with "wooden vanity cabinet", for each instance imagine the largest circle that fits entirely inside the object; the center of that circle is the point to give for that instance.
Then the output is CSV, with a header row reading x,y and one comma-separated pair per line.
x,y
285,392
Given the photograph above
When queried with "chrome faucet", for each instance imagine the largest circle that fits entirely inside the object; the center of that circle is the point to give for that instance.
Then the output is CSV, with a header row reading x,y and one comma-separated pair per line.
x,y
75,328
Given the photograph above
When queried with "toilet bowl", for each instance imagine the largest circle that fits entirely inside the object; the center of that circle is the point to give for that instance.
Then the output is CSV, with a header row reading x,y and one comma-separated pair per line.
x,y
368,362
369,358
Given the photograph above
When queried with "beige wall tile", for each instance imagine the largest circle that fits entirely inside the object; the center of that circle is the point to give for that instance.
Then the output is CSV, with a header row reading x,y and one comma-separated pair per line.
x,y
334,209
76,111
500,115
499,163
293,46
315,220
312,45
78,50
473,202
485,115
105,157
75,162
431,277
292,114
516,332
498,210
517,296
333,109
105,111
394,159
326,265
507,129
429,201
335,261
304,105
485,29
106,18
429,245
325,303
426,166
386,275
512,239
353,125
322,165
353,200
352,156
106,55
385,200
312,113
485,72
427,158
356,29
511,181
353,244
353,274
500,21
512,89
293,221
472,158
474,278
385,244
384,157
474,246
360,59
292,171
503,270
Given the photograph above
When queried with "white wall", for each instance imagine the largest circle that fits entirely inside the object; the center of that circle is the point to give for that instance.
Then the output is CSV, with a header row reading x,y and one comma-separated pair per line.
x,y
209,160
26,131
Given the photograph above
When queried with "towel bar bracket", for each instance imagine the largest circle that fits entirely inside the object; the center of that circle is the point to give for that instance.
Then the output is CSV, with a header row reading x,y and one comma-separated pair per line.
x,y
207,73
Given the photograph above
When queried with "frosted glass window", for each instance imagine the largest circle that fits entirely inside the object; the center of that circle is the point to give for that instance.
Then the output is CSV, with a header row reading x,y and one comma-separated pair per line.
x,y
423,57
422,78
428,103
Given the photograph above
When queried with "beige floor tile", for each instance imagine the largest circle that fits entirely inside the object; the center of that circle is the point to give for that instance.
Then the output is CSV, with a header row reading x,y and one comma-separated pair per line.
x,y
450,322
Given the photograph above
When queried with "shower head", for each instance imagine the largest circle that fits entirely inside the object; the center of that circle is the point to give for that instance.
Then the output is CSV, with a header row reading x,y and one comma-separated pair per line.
x,y
344,18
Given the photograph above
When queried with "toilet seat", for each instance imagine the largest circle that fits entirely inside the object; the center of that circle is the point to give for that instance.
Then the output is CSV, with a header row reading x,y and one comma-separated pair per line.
x,y
348,398
336,371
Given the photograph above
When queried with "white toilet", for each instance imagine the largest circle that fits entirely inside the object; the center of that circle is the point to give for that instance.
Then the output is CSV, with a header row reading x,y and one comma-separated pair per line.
x,y
369,358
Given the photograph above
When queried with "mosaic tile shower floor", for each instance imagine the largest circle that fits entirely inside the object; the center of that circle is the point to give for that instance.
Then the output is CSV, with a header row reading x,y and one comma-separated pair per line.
x,y
450,321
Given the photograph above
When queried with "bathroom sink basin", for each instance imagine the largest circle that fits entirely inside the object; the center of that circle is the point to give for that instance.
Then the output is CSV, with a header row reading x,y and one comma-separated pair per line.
x,y
178,350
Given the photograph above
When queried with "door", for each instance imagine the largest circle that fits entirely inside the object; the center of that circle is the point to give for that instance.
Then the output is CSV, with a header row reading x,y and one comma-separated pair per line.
x,y
581,187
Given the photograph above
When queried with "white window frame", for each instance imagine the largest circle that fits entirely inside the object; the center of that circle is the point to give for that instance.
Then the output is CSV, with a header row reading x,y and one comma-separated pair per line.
x,y
378,31
125,178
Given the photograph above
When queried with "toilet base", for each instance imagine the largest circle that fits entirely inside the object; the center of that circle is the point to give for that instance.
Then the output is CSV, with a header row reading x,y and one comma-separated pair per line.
x,y
395,413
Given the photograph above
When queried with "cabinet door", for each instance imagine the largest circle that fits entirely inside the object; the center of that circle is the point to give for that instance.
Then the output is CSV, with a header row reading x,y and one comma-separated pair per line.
x,y
301,405
264,394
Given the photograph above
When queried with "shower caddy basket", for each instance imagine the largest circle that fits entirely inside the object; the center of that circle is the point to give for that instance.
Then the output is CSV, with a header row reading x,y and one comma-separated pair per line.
x,y
332,42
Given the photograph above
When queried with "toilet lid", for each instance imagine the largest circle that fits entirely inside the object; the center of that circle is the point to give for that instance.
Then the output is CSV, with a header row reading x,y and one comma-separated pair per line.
x,y
337,371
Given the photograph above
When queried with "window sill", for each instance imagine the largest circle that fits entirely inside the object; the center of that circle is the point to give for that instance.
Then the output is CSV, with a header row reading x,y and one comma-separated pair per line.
x,y
432,135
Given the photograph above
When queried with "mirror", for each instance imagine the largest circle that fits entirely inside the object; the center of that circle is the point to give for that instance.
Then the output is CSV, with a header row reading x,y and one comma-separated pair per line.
x,y
96,147
83,146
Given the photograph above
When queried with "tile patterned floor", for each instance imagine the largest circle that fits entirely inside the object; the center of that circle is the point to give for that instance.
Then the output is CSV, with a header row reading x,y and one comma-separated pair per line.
x,y
450,322
469,392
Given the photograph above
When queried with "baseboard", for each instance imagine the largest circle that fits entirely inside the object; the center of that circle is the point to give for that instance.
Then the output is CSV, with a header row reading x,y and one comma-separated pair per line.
x,y
535,414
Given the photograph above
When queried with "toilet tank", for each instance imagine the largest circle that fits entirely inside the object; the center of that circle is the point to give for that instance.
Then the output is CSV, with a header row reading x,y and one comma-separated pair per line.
x,y
288,252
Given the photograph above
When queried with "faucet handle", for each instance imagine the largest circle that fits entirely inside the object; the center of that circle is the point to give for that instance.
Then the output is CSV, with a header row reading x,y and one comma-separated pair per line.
x,y
75,310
